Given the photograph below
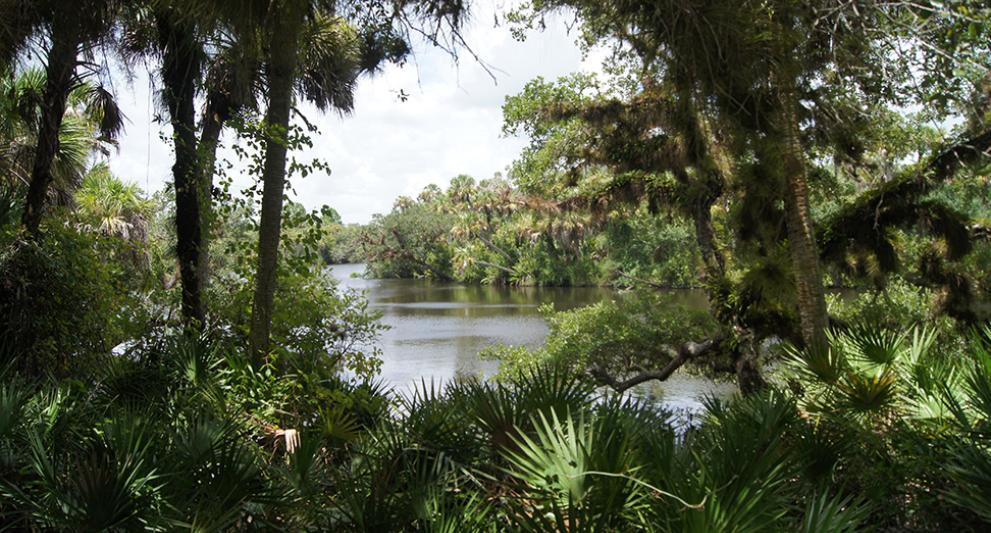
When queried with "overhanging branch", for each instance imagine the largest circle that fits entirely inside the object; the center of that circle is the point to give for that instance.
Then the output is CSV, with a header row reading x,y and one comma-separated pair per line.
x,y
893,204
686,352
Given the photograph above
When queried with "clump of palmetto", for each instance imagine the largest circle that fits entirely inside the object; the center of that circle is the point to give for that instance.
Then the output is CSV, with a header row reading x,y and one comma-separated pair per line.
x,y
185,437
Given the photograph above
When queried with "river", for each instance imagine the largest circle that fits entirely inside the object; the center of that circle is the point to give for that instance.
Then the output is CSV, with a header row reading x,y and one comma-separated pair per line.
x,y
437,329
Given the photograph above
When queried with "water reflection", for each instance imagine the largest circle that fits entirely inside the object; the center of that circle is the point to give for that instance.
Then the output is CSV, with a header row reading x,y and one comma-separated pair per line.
x,y
437,329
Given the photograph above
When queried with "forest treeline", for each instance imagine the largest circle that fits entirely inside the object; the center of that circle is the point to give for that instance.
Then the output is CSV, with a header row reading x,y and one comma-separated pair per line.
x,y
184,360
490,232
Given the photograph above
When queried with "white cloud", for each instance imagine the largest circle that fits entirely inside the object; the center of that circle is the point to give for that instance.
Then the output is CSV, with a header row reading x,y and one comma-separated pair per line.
x,y
450,124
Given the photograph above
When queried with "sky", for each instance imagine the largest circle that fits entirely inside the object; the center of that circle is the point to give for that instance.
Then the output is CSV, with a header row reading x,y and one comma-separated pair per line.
x,y
450,124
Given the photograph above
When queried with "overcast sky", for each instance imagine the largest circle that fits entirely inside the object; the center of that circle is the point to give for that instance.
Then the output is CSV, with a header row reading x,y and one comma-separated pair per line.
x,y
450,124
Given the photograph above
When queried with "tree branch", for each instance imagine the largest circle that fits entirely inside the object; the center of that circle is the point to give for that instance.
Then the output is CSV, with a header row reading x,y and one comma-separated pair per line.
x,y
493,246
646,282
686,352
948,161
980,231
405,252
493,265
890,204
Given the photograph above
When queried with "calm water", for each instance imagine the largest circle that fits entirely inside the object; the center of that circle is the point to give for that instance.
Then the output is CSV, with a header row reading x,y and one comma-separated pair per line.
x,y
437,329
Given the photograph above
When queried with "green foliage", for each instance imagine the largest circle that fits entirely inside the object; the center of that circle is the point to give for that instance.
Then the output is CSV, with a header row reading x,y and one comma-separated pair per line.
x,y
79,137
317,329
834,515
110,206
61,302
311,315
667,171
897,303
186,435
341,244
409,243
620,336
494,232
896,414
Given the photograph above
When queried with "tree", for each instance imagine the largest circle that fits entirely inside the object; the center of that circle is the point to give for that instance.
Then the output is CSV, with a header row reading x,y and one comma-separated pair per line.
x,y
113,207
733,102
593,150
768,72
216,49
66,37
281,63
182,52
286,69
79,133
410,242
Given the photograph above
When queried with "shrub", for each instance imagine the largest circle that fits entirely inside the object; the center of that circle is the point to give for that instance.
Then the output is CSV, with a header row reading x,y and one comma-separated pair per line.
x,y
618,335
61,303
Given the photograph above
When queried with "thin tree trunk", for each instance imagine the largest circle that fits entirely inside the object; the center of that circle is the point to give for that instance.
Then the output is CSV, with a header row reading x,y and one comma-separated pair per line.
x,y
801,234
713,265
492,246
706,155
60,71
282,59
180,69
717,164
215,116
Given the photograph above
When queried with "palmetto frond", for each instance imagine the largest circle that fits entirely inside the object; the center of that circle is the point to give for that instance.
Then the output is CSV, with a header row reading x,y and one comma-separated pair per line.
x,y
577,475
330,63
868,392
102,110
112,206
92,108
834,514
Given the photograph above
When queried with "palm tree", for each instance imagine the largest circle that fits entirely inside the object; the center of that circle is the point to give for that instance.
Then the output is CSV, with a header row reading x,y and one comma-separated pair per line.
x,y
323,72
181,56
68,28
219,48
79,133
267,36
189,41
282,61
112,206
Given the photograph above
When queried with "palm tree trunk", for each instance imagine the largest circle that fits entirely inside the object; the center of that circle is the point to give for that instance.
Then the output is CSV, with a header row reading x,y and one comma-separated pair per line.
x,y
60,71
801,234
282,58
180,69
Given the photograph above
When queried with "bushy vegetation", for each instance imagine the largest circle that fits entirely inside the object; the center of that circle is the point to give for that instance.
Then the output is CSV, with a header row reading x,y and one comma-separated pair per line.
x,y
491,232
881,429
635,332
61,304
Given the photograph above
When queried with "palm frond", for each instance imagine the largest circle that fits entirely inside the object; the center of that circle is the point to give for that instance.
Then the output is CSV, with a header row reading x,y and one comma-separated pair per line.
x,y
833,514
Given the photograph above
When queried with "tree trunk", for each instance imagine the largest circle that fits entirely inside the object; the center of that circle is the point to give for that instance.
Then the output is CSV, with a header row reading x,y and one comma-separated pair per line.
x,y
705,154
705,236
717,165
801,234
59,71
749,377
282,58
180,69
215,116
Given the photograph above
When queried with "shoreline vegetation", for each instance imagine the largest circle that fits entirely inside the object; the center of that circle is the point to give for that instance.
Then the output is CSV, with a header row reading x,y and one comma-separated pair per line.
x,y
182,360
